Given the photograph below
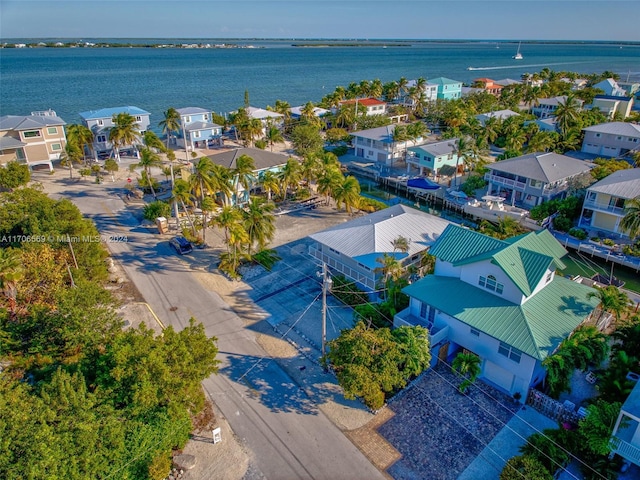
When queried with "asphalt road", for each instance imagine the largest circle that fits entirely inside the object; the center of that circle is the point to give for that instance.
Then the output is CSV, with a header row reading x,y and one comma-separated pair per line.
x,y
290,438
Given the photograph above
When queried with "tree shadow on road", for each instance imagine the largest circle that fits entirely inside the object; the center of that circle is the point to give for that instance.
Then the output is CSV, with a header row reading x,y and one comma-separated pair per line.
x,y
265,381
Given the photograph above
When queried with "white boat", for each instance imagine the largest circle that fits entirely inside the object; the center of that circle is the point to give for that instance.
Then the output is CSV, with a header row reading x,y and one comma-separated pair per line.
x,y
518,55
492,208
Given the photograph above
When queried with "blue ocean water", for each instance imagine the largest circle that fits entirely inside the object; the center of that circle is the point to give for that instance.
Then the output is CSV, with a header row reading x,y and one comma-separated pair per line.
x,y
72,80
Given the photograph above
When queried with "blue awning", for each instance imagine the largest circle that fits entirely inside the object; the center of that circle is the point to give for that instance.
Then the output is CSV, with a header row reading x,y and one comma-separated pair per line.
x,y
422,183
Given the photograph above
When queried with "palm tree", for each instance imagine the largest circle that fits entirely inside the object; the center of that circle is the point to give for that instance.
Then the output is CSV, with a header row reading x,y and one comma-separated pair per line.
x,y
82,136
612,300
401,244
259,223
11,272
125,131
72,154
181,194
251,130
348,192
221,182
170,123
542,142
270,183
243,175
375,88
631,219
567,113
416,130
290,175
463,152
308,114
310,168
467,365
390,269
149,159
152,141
329,180
201,182
206,205
273,135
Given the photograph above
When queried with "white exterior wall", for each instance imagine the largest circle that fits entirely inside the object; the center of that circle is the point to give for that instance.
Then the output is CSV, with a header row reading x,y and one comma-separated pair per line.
x,y
487,348
471,273
543,282
446,269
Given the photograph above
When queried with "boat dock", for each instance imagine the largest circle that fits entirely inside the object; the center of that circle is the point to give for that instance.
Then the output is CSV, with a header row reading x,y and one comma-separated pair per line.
x,y
600,251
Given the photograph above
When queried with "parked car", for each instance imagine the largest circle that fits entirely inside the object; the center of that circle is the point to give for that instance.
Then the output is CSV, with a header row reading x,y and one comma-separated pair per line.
x,y
181,245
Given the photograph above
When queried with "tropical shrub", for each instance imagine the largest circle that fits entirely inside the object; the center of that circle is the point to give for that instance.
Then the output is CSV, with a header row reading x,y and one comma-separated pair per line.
x,y
578,233
562,223
14,175
155,209
524,467
473,183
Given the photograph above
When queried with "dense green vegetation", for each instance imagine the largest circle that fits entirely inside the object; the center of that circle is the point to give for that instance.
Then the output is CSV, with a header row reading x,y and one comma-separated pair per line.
x,y
80,397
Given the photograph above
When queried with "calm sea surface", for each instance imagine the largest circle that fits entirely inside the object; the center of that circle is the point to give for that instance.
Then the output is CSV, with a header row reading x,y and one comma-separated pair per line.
x,y
74,80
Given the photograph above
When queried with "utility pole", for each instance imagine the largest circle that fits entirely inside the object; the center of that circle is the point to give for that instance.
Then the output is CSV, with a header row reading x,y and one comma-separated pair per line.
x,y
326,283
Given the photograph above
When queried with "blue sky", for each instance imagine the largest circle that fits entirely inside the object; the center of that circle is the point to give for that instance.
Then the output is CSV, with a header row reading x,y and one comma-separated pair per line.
x,y
421,19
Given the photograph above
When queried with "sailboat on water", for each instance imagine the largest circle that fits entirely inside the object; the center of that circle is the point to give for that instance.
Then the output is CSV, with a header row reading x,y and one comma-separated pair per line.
x,y
518,55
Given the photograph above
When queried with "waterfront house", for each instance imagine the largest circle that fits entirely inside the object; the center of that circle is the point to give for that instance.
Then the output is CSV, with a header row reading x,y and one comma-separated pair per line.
x,y
263,161
612,106
377,144
355,248
373,106
500,300
546,107
625,439
431,157
430,91
35,139
101,121
488,85
197,127
611,88
613,139
447,89
603,207
505,82
531,179
296,112
501,115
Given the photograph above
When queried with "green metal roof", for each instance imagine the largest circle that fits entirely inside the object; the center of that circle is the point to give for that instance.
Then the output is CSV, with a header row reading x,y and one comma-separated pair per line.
x,y
457,244
525,259
536,328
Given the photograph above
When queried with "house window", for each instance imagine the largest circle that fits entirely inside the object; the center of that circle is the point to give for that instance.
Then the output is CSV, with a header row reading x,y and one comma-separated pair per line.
x,y
474,332
619,137
490,283
31,134
535,183
597,135
187,119
196,134
56,146
52,130
423,310
100,123
334,251
138,118
509,352
101,138
549,276
206,117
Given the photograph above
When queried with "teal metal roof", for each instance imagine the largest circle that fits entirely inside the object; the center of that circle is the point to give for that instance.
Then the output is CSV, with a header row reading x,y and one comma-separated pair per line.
x,y
536,328
525,259
457,244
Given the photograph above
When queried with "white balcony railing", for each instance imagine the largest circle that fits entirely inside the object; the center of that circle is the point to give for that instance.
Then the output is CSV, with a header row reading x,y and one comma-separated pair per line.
x,y
507,182
603,207
625,450
436,334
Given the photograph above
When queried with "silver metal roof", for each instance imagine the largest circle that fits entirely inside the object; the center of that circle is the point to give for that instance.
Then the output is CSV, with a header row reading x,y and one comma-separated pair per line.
x,y
621,184
367,238
436,149
262,159
191,110
617,128
545,167
28,122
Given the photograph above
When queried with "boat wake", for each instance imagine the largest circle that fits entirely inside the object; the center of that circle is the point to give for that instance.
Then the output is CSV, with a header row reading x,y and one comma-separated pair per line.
x,y
505,67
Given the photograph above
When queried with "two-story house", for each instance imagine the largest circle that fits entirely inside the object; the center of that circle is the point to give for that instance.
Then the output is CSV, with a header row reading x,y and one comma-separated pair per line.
x,y
533,178
35,139
613,139
488,85
197,128
603,207
100,123
546,107
611,105
378,144
610,87
355,248
431,157
447,89
498,299
373,106
430,91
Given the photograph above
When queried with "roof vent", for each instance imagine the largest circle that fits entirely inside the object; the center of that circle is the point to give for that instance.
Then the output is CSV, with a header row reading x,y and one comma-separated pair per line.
x,y
554,165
